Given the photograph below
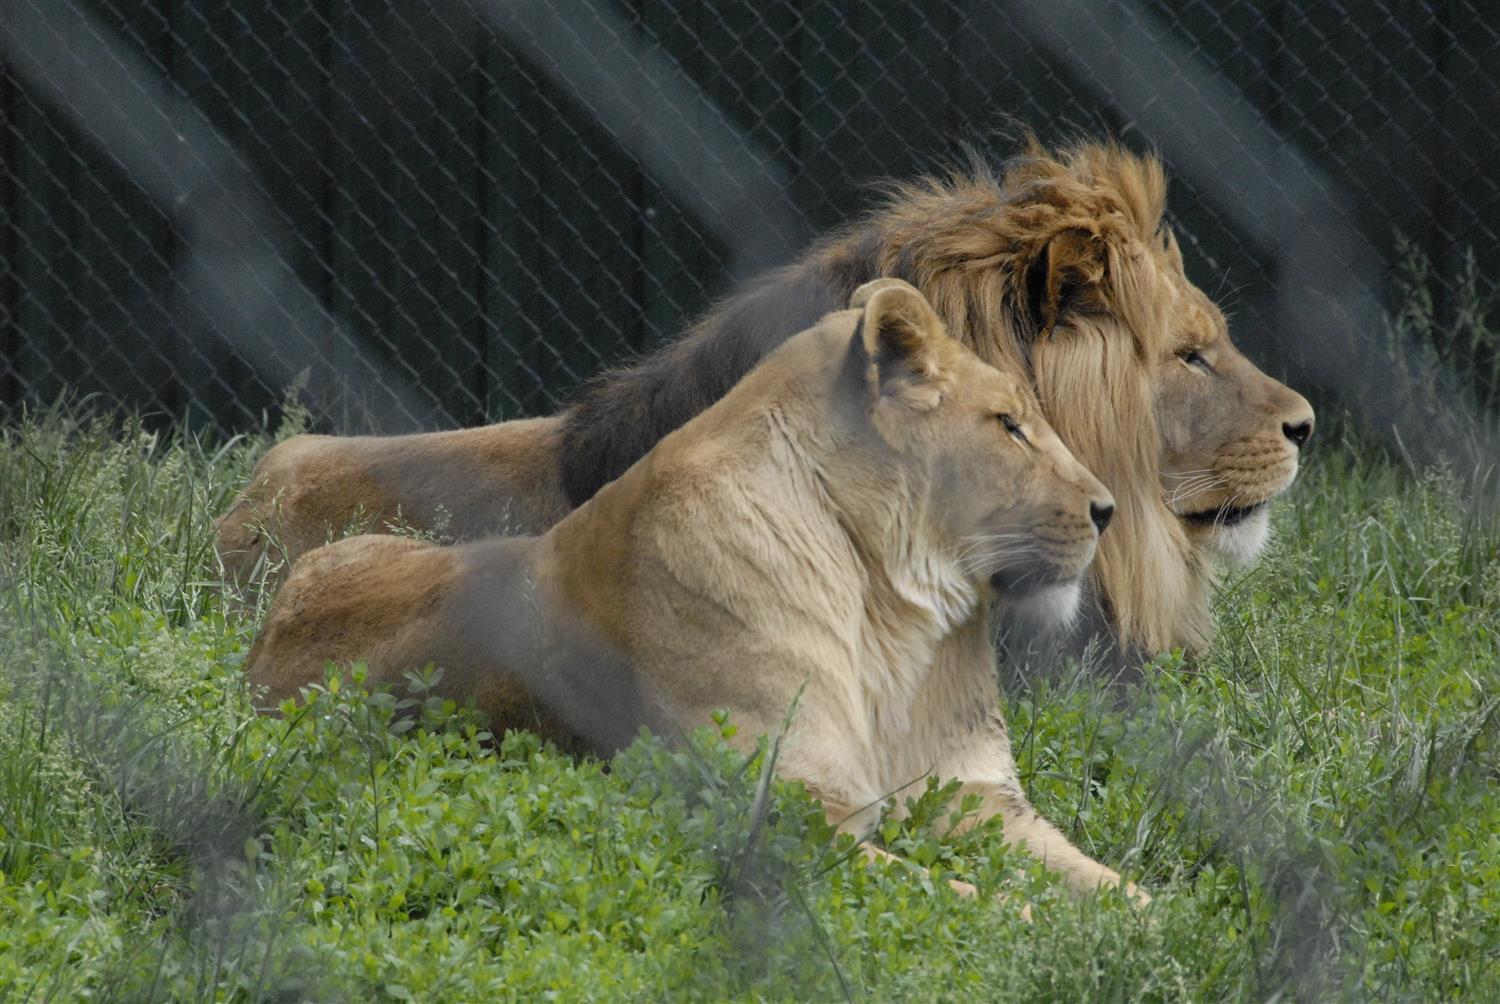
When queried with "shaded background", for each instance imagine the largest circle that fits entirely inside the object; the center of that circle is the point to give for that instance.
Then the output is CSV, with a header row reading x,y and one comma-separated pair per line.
x,y
435,214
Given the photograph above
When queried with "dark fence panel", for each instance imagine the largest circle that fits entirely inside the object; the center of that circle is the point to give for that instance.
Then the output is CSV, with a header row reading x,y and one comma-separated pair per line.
x,y
452,212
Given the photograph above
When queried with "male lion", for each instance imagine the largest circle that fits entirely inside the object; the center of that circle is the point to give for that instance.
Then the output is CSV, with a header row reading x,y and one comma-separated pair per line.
x,y
1061,267
828,534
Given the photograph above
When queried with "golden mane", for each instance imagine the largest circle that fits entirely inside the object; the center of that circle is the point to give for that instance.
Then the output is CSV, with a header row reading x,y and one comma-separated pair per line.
x,y
1057,263
976,249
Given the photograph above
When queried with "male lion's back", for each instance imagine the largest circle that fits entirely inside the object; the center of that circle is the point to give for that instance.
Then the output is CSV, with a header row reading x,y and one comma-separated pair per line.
x,y
461,484
619,415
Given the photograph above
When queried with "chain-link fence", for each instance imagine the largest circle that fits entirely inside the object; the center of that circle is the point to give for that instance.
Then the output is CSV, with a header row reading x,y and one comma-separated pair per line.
x,y
442,213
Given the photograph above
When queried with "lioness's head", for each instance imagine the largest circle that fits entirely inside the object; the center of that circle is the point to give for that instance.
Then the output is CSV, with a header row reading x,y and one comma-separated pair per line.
x,y
994,488
1230,434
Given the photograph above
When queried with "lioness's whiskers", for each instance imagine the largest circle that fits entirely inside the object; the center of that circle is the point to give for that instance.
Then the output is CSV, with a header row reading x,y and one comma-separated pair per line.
x,y
990,540
970,544
991,559
982,552
980,557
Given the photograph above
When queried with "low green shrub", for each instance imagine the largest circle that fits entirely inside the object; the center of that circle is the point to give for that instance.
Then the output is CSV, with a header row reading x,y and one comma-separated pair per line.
x,y
1311,804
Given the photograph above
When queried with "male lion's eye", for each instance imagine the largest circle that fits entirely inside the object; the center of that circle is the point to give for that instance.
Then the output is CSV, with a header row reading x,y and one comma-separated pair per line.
x,y
1013,427
1196,360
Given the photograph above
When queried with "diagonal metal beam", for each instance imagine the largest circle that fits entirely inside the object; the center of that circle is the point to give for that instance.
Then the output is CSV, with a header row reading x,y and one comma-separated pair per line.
x,y
663,119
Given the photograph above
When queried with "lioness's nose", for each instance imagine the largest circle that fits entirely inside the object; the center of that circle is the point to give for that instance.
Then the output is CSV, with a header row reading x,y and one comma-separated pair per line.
x,y
1299,433
1101,513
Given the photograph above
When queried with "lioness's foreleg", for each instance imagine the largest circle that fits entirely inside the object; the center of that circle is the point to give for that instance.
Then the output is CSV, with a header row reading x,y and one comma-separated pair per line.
x,y
1024,826
873,854
844,819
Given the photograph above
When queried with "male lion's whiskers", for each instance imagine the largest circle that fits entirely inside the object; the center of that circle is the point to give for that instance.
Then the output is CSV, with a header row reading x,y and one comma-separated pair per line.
x,y
1189,476
1224,509
1247,537
1177,500
1194,486
1198,476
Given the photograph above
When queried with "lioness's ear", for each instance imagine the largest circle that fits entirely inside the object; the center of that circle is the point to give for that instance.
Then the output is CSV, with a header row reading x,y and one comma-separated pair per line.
x,y
900,334
862,294
1068,265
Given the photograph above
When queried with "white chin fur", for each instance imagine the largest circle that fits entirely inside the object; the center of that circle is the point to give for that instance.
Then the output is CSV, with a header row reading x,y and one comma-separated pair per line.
x,y
1242,543
1052,607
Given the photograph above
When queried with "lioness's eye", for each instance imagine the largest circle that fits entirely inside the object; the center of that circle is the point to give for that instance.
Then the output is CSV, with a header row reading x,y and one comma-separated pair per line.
x,y
1012,426
1195,360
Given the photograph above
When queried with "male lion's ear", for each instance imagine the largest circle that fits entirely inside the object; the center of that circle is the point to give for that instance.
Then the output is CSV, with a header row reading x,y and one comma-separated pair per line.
x,y
1174,252
1068,265
900,334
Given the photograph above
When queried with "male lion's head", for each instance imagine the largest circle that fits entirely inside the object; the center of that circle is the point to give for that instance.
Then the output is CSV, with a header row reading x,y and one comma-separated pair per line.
x,y
1063,268
987,482
1230,434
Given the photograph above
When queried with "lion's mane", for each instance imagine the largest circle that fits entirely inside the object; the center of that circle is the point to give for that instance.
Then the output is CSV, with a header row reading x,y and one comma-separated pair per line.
x,y
1056,261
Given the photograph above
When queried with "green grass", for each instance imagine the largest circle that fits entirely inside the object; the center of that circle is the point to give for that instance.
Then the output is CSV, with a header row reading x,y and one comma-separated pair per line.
x,y
1466,343
1313,805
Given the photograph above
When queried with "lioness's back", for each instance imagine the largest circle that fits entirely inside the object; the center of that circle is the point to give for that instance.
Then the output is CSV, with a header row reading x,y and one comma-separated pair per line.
x,y
353,594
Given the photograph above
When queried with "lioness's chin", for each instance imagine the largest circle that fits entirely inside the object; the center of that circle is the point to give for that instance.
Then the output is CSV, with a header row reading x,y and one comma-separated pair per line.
x,y
1051,607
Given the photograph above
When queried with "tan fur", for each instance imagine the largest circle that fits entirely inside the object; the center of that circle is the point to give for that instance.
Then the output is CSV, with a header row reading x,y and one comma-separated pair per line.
x,y
830,534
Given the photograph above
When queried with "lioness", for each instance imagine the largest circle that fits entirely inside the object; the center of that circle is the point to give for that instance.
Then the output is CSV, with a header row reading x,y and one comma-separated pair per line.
x,y
830,532
1060,268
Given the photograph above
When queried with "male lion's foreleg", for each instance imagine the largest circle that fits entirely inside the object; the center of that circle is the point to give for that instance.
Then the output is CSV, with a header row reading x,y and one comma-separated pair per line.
x,y
1026,827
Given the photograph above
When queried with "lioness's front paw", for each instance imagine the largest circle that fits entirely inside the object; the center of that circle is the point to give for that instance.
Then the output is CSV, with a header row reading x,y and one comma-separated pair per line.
x,y
969,891
964,889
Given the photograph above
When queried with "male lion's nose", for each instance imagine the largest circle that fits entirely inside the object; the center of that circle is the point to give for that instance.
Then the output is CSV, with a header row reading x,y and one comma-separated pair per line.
x,y
1300,433
1101,514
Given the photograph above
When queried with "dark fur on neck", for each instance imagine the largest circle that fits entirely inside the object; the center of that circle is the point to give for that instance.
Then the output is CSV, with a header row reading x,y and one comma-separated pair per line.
x,y
617,416
972,241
